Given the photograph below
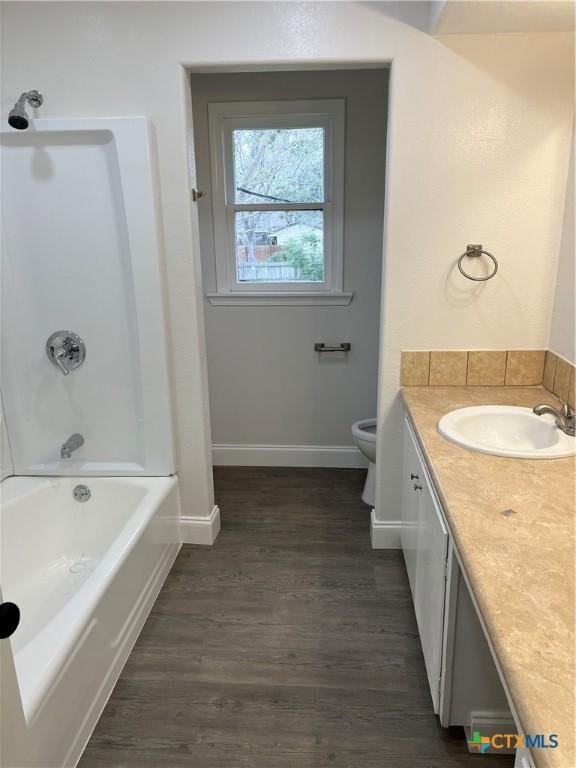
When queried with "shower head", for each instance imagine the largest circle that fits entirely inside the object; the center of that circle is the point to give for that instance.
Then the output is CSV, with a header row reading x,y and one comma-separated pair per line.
x,y
18,118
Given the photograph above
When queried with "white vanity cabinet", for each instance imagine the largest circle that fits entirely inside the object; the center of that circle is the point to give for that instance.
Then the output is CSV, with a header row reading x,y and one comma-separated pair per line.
x,y
425,547
465,683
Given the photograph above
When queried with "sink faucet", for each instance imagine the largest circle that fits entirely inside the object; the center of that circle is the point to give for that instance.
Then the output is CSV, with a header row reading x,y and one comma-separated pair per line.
x,y
74,441
565,417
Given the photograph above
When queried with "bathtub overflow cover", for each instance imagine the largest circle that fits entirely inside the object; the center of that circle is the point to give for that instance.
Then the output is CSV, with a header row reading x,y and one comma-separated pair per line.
x,y
82,493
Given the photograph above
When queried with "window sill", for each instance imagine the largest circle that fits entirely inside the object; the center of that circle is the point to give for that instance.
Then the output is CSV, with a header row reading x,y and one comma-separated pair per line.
x,y
270,299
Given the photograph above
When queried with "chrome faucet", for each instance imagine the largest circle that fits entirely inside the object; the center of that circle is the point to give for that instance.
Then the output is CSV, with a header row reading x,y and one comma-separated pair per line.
x,y
74,441
565,418
66,350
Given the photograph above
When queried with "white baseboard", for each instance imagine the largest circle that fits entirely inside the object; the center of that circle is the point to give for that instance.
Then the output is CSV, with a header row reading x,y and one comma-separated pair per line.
x,y
200,530
385,534
343,456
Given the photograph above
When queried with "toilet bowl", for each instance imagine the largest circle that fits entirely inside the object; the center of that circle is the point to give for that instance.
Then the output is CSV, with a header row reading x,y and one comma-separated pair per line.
x,y
364,435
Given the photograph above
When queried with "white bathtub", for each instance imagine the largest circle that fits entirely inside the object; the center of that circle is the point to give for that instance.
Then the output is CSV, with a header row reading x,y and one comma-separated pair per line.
x,y
84,576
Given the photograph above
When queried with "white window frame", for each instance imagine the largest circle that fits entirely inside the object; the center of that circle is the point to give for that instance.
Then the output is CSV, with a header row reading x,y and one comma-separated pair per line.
x,y
223,119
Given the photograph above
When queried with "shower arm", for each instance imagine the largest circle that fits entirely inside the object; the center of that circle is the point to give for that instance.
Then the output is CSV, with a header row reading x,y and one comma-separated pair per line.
x,y
32,97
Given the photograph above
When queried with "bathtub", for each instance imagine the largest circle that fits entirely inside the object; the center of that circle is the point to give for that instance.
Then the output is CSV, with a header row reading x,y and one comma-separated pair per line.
x,y
85,576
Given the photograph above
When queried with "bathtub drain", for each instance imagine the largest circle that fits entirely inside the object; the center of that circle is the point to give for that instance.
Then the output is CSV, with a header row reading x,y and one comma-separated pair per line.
x,y
81,493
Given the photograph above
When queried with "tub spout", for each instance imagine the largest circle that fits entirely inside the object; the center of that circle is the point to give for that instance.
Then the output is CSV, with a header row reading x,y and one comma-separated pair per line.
x,y
74,441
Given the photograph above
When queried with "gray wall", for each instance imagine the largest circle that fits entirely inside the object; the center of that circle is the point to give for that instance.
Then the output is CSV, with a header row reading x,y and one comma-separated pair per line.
x,y
267,385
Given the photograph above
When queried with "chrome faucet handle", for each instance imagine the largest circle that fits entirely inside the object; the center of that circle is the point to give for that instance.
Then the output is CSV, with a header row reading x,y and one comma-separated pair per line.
x,y
66,350
59,355
566,411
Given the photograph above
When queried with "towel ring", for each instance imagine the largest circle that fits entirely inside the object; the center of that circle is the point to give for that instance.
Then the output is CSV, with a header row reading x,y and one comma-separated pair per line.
x,y
473,251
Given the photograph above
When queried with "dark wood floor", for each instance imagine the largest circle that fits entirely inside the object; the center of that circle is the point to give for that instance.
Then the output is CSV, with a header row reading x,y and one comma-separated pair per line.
x,y
289,644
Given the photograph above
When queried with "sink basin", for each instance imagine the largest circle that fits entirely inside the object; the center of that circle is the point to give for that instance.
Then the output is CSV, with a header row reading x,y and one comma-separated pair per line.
x,y
505,430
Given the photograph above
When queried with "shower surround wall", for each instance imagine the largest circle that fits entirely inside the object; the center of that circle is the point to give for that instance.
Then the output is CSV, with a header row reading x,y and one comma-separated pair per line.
x,y
80,253
6,466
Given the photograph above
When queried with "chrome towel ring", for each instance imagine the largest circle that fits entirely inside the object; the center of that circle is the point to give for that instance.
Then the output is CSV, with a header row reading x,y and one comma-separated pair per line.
x,y
473,251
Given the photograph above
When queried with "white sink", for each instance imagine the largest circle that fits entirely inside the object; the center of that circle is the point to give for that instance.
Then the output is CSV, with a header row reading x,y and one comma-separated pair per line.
x,y
506,430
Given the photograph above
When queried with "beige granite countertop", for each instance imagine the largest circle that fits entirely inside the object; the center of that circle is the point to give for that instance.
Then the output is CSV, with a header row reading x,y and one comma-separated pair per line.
x,y
520,567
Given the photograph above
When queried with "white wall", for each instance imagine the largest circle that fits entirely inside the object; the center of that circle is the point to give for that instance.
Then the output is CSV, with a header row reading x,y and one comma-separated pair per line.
x,y
479,138
563,326
267,385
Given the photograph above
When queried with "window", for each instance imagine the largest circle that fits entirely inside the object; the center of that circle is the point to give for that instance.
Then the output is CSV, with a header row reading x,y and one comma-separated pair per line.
x,y
277,196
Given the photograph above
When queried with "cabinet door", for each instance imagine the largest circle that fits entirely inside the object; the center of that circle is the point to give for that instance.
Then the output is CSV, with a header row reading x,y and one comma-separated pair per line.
x,y
411,478
430,585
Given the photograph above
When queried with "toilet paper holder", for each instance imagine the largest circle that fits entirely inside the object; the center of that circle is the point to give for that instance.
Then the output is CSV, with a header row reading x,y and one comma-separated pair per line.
x,y
320,346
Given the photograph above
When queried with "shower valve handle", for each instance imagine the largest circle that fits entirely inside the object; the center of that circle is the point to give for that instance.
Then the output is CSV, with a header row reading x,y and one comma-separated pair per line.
x,y
59,355
66,350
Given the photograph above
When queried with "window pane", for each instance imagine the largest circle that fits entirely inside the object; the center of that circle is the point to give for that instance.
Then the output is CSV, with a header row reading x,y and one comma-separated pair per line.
x,y
279,165
280,246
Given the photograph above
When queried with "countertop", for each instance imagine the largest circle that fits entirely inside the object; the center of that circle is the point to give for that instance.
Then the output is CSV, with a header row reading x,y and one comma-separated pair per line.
x,y
521,565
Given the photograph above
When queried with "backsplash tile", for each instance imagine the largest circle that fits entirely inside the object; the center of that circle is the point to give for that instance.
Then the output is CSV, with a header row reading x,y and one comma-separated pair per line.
x,y
415,369
448,368
562,379
490,368
486,369
549,370
525,368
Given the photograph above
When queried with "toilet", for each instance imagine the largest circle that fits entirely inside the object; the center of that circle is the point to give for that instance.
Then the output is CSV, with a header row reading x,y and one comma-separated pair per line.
x,y
364,435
